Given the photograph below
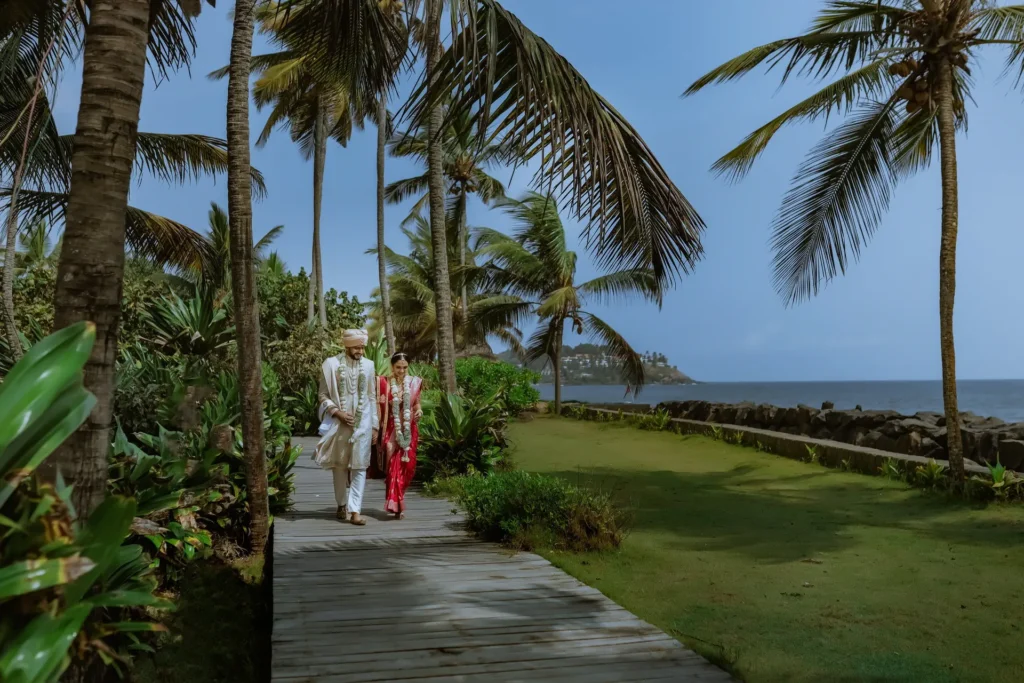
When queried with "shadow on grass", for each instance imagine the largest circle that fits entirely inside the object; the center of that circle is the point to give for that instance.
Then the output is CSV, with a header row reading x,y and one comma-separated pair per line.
x,y
782,518
220,632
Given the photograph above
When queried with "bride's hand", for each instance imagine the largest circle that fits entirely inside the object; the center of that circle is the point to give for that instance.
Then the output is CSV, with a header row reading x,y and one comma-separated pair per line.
x,y
419,413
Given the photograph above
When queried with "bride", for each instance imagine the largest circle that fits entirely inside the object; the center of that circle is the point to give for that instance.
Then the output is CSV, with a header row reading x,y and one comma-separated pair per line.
x,y
400,408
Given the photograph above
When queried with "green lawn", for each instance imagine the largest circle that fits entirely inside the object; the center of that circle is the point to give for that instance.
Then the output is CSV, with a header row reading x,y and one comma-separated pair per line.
x,y
785,571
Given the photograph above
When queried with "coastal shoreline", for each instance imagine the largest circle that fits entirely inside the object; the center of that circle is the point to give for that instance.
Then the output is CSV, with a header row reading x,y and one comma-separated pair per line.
x,y
987,440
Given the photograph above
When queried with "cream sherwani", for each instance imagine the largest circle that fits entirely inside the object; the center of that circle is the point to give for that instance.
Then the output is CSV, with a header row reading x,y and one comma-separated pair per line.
x,y
350,386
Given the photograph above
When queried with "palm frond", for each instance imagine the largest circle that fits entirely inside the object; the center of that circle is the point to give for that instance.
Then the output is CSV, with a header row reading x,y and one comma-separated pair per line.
x,y
177,159
914,141
632,363
1004,24
543,341
838,198
622,284
356,39
159,239
538,105
559,302
400,190
264,242
871,81
842,35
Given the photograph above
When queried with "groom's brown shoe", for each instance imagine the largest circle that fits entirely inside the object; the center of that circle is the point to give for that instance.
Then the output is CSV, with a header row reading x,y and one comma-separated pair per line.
x,y
358,520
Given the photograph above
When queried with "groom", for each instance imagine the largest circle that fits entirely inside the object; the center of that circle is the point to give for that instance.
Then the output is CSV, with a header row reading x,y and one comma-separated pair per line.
x,y
348,413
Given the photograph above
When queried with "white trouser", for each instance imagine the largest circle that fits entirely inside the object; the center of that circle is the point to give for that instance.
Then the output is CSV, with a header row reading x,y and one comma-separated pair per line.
x,y
346,493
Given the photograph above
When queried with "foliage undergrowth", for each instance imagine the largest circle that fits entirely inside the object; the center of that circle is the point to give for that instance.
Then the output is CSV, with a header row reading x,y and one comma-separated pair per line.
x,y
527,511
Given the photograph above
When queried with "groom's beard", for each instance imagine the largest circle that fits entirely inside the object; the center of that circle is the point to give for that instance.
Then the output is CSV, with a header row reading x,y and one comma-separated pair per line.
x,y
354,354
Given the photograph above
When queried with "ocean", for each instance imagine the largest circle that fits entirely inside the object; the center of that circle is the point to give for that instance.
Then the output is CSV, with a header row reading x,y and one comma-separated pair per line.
x,y
989,398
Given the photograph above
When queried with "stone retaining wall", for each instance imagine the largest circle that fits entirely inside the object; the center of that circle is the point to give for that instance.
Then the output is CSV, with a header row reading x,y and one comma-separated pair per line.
x,y
794,446
922,434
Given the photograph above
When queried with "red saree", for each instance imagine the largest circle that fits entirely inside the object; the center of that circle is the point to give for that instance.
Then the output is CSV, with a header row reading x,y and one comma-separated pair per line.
x,y
398,474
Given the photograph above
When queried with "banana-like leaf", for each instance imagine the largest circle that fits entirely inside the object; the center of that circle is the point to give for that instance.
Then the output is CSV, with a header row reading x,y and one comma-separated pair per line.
x,y
49,369
29,576
38,654
44,435
101,542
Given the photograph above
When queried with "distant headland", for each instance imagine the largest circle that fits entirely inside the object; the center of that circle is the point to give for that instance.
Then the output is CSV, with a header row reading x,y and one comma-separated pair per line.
x,y
588,364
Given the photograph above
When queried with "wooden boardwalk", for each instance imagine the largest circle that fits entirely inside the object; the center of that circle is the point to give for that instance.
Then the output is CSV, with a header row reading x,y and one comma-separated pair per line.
x,y
420,600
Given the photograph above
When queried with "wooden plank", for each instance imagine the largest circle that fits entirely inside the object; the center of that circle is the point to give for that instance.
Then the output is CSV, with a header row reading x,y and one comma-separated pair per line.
x,y
420,600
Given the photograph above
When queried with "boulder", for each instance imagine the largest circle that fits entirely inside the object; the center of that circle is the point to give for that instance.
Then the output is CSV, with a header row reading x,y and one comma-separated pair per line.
x,y
827,405
878,440
909,443
1011,454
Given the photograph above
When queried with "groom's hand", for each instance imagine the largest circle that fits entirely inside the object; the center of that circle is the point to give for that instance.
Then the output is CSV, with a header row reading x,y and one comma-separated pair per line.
x,y
373,438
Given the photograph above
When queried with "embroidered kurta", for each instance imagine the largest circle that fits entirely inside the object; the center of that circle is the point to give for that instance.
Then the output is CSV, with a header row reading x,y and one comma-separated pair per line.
x,y
342,446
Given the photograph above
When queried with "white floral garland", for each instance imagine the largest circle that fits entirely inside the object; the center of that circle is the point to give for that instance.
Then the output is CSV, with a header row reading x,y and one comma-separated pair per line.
x,y
360,388
403,417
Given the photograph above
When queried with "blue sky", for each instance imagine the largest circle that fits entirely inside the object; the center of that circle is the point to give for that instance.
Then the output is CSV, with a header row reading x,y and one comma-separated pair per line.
x,y
724,322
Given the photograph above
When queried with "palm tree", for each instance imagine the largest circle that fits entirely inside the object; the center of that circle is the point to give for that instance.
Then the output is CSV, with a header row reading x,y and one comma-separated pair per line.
x,y
243,276
411,279
466,161
91,267
315,109
436,193
366,63
382,267
538,276
35,248
904,84
217,276
531,101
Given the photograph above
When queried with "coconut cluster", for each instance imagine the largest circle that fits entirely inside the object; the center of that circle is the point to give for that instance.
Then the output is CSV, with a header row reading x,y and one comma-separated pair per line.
x,y
917,89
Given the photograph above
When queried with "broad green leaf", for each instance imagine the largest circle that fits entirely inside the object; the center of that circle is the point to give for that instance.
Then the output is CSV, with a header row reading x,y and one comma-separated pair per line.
x,y
32,575
101,541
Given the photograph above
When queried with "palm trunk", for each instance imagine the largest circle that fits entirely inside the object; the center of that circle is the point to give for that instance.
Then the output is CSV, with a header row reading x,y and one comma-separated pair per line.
x,y
947,267
10,328
382,270
311,299
91,268
556,359
462,258
243,281
435,171
319,161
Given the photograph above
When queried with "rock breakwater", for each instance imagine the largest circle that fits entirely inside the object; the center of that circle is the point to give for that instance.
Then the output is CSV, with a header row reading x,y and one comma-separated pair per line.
x,y
986,439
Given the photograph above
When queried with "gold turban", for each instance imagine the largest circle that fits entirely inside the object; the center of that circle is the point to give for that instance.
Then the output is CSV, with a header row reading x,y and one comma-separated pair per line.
x,y
355,338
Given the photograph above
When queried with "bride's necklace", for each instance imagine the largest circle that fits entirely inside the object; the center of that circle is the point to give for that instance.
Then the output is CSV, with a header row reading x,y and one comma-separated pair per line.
x,y
401,408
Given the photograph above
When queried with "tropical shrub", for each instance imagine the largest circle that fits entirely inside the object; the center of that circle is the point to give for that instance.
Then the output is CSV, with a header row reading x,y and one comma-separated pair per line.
x,y
461,435
197,326
527,511
303,407
298,357
283,305
61,585
479,377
